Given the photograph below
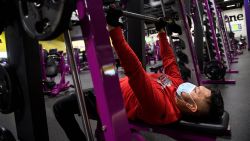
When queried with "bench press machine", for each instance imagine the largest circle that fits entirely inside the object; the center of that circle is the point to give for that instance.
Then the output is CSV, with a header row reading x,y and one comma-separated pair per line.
x,y
111,111
115,124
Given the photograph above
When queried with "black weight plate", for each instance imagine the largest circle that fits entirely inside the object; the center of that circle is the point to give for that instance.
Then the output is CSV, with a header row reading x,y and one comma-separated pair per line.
x,y
11,99
47,20
215,70
5,90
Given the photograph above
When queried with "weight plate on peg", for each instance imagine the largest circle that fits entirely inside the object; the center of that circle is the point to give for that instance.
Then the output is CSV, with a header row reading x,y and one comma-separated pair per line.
x,y
5,91
47,19
215,70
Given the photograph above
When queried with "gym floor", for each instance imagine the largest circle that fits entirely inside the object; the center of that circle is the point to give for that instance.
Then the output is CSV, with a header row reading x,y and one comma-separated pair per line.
x,y
236,99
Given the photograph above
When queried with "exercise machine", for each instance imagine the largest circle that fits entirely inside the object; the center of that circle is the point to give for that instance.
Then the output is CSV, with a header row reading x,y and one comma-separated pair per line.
x,y
104,75
53,63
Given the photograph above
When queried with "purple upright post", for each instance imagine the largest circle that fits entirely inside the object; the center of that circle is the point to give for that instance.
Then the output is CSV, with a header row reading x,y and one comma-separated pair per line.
x,y
211,23
247,11
229,24
104,76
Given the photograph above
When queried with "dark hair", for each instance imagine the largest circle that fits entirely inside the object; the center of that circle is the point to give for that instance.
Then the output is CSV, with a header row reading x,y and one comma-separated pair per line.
x,y
216,105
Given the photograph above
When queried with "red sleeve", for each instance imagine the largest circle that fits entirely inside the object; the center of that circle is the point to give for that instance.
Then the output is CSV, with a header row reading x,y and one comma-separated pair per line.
x,y
128,58
168,58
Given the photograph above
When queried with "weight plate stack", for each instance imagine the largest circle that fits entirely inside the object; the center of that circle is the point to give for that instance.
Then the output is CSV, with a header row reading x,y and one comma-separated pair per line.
x,y
9,90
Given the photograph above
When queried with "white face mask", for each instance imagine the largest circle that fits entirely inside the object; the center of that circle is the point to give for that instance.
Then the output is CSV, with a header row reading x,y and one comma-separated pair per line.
x,y
185,87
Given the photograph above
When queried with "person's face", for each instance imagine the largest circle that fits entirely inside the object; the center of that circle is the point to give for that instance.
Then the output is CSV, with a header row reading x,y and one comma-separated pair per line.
x,y
200,93
198,99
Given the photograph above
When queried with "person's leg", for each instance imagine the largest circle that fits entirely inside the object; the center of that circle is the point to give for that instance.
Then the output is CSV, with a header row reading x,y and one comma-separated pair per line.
x,y
64,111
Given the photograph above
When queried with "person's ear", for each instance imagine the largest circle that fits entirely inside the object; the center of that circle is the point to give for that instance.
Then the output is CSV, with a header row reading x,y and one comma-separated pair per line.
x,y
190,104
191,107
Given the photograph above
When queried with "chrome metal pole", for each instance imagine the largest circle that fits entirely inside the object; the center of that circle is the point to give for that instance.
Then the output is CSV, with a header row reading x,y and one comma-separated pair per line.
x,y
139,16
78,87
163,8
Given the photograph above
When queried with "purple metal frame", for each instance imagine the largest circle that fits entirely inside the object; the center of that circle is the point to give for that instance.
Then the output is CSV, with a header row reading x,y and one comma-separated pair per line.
x,y
102,67
247,11
63,84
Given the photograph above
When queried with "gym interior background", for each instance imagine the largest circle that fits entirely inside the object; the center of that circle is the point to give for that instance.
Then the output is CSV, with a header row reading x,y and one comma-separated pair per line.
x,y
230,74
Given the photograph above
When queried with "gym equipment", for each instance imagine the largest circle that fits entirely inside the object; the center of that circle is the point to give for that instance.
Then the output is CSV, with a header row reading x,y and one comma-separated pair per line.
x,y
226,42
105,78
53,63
178,43
78,86
215,70
185,72
6,135
81,61
211,25
242,43
45,23
151,54
9,90
5,90
95,55
171,27
215,47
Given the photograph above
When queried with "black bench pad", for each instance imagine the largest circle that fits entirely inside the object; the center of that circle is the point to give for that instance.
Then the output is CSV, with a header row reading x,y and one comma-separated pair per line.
x,y
220,128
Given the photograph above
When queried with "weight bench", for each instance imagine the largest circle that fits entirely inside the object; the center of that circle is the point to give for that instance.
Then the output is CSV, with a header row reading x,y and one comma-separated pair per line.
x,y
189,131
184,130
157,68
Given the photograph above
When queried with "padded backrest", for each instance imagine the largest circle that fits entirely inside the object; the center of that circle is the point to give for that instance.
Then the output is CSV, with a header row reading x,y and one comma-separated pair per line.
x,y
216,128
220,128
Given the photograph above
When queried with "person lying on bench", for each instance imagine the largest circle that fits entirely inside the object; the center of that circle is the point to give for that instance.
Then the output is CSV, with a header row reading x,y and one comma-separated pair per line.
x,y
156,99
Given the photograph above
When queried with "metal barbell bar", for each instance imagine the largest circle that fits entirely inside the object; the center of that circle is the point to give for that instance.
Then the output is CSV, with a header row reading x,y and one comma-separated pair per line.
x,y
136,15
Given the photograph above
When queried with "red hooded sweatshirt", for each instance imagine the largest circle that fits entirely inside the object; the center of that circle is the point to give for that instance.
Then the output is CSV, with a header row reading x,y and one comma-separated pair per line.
x,y
145,97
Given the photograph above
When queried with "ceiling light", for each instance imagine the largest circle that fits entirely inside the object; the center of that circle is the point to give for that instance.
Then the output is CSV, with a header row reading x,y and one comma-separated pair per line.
x,y
230,5
226,0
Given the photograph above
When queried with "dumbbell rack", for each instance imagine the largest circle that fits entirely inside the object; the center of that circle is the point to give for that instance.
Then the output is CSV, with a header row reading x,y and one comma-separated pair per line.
x,y
186,37
225,40
233,43
217,46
